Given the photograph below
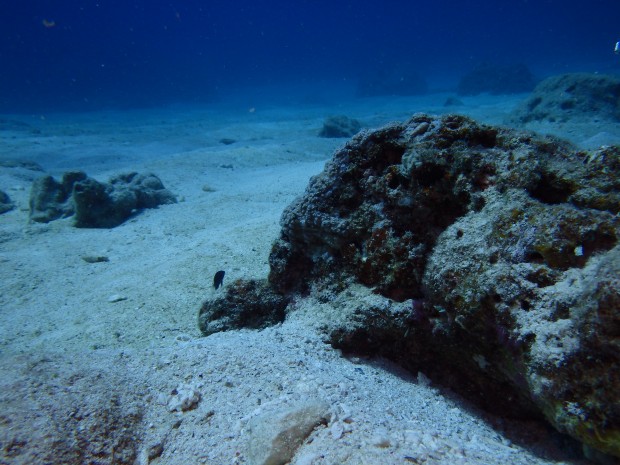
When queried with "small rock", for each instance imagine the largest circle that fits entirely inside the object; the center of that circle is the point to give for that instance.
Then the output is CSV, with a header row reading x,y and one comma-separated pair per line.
x,y
184,398
5,202
381,440
155,450
95,258
116,298
337,430
276,436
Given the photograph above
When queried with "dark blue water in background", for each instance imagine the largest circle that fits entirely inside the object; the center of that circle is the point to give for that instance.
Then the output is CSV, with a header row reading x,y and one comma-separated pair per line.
x,y
88,54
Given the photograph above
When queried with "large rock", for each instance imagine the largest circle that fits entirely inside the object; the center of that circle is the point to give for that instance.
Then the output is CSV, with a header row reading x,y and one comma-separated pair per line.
x,y
482,256
497,79
570,97
95,204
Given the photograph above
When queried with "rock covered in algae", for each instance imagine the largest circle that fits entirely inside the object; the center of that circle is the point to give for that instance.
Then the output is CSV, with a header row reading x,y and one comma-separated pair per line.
x,y
572,96
496,255
482,256
246,304
92,203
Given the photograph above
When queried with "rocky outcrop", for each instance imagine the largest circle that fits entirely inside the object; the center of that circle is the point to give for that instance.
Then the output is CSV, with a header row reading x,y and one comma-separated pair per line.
x,y
95,204
570,97
485,257
497,79
340,126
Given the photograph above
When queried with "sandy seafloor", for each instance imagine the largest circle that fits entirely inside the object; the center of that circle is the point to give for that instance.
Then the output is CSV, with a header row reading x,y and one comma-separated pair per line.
x,y
87,345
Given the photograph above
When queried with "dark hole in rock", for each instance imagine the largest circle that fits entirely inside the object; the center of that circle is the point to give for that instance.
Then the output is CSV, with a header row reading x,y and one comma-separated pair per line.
x,y
567,105
459,234
551,190
534,257
595,241
394,154
394,181
526,305
484,138
561,312
478,203
542,277
429,174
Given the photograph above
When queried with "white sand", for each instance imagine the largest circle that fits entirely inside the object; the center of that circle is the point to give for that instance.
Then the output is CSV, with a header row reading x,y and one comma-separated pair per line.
x,y
68,353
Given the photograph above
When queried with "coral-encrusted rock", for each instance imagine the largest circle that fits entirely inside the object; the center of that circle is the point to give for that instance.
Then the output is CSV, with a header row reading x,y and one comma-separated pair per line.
x,y
50,199
95,204
493,260
246,304
574,96
99,205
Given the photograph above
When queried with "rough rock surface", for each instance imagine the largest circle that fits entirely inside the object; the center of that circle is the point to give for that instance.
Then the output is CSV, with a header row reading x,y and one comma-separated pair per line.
x,y
340,126
95,204
246,304
496,79
276,436
5,203
482,256
50,199
572,96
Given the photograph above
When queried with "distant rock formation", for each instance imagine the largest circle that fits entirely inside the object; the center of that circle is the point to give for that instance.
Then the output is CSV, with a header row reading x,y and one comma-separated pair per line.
x,y
95,204
340,126
5,203
485,257
497,79
453,102
570,97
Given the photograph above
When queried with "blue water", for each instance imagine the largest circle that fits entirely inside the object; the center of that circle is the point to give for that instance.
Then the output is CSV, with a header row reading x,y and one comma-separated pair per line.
x,y
90,54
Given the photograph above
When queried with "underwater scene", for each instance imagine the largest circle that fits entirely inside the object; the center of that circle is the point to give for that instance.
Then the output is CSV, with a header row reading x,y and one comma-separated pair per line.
x,y
309,232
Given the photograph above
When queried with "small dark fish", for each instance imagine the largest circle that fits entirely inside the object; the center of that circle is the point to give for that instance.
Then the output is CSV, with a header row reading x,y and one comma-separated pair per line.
x,y
218,279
